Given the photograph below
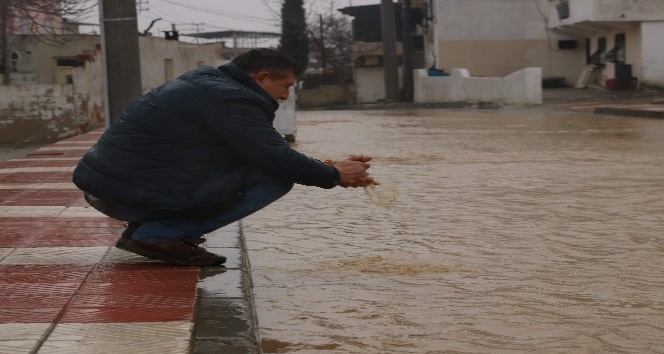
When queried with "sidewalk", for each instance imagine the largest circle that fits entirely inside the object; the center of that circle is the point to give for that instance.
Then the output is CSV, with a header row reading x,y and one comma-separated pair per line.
x,y
631,103
64,288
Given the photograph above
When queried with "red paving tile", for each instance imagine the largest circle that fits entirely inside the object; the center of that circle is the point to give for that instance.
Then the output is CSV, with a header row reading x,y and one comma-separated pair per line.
x,y
34,301
40,289
90,136
70,241
37,162
123,292
17,231
43,273
157,287
23,221
30,315
146,292
38,197
77,153
35,177
150,300
97,223
128,273
109,293
63,233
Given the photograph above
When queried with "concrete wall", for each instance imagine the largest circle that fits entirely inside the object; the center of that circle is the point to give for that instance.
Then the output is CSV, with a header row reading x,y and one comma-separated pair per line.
x,y
521,87
40,113
323,96
32,114
609,11
652,69
163,60
39,58
370,84
495,38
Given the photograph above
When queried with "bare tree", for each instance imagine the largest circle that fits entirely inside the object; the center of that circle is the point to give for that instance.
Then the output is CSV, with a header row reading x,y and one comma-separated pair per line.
x,y
44,19
331,40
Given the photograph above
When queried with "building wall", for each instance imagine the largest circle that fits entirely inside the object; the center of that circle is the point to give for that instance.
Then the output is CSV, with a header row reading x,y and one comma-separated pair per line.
x,y
163,60
496,38
41,112
652,51
370,84
39,58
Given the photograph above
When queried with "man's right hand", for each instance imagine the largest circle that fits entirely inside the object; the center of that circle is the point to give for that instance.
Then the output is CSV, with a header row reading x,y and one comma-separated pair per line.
x,y
353,171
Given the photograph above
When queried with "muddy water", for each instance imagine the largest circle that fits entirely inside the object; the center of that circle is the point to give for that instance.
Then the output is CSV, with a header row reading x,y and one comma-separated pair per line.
x,y
521,231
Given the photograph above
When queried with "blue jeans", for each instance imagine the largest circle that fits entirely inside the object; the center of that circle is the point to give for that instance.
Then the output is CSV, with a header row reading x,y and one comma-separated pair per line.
x,y
260,191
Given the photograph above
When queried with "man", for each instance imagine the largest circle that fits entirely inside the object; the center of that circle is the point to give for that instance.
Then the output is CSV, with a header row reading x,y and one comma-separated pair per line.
x,y
199,153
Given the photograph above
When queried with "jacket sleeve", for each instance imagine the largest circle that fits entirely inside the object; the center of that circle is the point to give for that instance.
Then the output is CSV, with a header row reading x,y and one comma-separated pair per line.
x,y
243,127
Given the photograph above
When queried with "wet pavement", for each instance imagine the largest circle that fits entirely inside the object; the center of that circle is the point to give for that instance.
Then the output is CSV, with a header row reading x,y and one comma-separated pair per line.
x,y
514,230
64,288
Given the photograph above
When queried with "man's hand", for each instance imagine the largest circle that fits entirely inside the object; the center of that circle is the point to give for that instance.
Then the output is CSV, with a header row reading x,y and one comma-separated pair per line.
x,y
353,171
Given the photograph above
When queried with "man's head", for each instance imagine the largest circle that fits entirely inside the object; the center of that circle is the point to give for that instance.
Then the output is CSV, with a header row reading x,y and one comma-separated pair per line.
x,y
272,70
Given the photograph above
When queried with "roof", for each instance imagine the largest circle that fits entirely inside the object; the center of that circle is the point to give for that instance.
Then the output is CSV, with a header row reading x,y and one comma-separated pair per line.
x,y
233,34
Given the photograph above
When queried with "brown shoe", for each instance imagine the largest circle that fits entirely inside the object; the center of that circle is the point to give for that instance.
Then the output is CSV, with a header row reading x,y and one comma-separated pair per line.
x,y
174,252
129,230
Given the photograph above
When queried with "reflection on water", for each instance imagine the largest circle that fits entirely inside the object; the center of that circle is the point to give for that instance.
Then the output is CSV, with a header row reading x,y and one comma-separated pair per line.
x,y
514,231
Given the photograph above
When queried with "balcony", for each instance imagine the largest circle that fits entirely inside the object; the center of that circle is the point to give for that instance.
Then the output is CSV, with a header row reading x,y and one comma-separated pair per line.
x,y
589,17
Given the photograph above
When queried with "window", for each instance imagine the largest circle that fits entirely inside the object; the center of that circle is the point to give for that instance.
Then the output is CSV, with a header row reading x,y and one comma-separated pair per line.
x,y
617,53
64,68
563,9
597,58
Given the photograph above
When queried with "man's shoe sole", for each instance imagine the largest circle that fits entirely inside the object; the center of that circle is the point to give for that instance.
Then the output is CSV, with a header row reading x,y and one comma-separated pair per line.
x,y
131,246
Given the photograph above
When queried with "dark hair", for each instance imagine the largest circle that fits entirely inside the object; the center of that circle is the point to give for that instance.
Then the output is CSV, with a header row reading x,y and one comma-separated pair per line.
x,y
270,60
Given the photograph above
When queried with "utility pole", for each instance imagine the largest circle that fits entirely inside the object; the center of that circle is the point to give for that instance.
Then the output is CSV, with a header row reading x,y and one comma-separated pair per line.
x,y
322,41
407,55
4,33
390,65
122,64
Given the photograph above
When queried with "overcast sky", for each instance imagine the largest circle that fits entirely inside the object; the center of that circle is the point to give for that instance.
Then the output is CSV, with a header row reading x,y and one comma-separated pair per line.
x,y
192,16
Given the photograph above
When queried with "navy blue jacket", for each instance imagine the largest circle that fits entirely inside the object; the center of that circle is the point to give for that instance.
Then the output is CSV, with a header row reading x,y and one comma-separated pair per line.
x,y
186,146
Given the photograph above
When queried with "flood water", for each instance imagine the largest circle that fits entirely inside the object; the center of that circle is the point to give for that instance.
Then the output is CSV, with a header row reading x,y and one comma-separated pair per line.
x,y
514,231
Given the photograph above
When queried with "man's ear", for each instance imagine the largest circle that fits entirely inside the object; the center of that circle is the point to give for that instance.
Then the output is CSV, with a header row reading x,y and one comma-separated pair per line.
x,y
260,76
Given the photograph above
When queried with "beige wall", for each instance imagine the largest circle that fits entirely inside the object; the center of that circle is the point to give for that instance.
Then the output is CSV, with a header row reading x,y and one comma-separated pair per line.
x,y
325,95
497,58
157,52
653,53
38,113
39,57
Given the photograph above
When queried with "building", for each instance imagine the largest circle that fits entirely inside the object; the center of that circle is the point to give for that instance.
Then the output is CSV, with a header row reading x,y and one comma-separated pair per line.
x,y
620,41
606,43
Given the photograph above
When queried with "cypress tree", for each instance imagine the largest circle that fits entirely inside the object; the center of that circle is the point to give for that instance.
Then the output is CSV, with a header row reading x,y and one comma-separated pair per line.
x,y
294,41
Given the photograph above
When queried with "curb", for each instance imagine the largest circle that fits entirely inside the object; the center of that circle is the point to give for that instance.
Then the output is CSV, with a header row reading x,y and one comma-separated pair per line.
x,y
225,318
641,113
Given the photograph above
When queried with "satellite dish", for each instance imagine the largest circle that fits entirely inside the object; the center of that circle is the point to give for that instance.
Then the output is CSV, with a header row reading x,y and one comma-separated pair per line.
x,y
14,56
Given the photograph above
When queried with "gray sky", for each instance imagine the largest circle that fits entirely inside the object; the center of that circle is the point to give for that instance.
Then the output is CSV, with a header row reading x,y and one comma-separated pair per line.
x,y
191,16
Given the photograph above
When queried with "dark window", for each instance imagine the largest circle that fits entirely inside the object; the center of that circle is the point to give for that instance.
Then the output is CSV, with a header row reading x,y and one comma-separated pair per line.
x,y
597,58
563,9
617,53
67,62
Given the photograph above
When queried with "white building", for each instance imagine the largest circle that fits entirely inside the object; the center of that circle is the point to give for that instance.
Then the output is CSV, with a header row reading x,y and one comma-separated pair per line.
x,y
609,43
620,39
